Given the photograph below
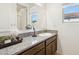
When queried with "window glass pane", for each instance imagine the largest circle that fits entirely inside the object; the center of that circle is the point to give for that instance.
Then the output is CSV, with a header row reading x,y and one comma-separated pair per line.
x,y
71,11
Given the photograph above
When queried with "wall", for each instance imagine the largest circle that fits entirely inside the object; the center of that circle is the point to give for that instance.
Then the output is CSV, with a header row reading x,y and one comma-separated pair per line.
x,y
68,33
7,17
4,17
12,16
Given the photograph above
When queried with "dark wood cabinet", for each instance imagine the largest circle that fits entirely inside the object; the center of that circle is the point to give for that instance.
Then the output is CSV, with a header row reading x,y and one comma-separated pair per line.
x,y
41,52
54,46
51,45
47,47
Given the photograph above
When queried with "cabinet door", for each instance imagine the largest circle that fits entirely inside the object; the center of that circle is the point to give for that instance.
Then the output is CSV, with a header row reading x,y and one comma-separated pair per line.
x,y
50,40
54,46
48,49
41,52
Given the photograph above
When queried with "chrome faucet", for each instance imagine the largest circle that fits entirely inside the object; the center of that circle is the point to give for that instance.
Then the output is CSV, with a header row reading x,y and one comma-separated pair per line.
x,y
34,33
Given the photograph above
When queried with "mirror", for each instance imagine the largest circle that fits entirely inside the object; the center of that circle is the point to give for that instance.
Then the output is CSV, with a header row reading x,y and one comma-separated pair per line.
x,y
37,15
21,17
31,14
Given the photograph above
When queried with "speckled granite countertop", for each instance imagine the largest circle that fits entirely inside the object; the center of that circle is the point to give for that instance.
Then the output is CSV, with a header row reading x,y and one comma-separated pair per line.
x,y
25,44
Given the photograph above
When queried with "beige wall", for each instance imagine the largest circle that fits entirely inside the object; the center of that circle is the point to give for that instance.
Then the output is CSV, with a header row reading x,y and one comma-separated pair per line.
x,y
68,33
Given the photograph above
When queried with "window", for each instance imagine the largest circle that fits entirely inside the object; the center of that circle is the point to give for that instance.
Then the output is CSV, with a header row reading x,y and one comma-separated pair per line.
x,y
71,12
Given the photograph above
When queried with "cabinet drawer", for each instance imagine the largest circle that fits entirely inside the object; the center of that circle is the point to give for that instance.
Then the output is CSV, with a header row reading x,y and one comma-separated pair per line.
x,y
34,49
50,40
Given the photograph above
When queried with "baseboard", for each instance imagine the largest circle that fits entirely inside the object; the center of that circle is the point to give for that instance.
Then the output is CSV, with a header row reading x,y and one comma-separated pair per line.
x,y
58,53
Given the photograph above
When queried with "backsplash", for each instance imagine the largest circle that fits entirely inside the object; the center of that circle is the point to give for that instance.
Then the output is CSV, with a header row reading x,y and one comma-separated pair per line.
x,y
5,33
25,34
37,32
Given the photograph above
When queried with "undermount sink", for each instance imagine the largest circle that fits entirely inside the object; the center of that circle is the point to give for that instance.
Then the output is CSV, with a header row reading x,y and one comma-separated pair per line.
x,y
45,34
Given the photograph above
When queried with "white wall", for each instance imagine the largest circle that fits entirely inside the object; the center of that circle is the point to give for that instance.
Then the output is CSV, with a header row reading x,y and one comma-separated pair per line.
x,y
12,16
68,33
4,18
7,17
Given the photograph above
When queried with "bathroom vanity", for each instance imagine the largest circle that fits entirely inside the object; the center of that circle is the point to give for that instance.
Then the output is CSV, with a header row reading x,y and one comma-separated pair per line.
x,y
44,44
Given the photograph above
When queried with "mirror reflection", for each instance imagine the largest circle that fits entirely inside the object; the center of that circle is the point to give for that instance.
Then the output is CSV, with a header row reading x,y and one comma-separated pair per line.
x,y
21,17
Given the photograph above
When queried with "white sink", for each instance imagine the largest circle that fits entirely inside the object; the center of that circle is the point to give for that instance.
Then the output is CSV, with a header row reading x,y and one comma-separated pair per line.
x,y
45,34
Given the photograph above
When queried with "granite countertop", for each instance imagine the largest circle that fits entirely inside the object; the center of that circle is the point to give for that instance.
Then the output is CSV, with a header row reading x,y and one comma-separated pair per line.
x,y
25,44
